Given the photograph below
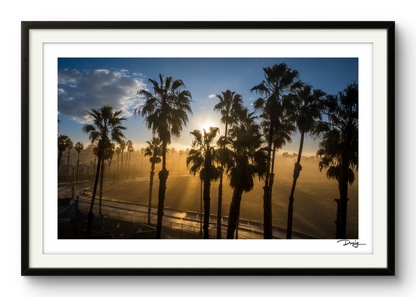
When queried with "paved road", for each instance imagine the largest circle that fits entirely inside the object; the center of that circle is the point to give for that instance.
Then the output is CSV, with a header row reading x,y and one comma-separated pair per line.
x,y
189,221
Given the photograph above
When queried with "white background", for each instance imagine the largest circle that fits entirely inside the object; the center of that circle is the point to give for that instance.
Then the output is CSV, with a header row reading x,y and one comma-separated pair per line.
x,y
46,251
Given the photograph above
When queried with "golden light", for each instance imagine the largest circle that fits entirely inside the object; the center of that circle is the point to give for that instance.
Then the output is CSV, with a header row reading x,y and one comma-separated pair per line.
x,y
206,126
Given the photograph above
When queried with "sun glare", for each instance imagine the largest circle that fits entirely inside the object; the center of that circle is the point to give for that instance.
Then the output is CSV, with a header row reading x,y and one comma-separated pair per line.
x,y
206,126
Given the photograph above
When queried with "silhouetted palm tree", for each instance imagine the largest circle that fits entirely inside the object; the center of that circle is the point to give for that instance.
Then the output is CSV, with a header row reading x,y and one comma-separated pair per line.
x,y
106,126
181,153
230,103
306,105
63,143
166,112
202,156
282,132
107,154
122,148
79,146
246,159
338,149
130,149
118,151
279,80
154,150
69,147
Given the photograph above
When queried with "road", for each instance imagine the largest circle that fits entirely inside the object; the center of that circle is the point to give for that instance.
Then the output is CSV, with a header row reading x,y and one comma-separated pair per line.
x,y
188,221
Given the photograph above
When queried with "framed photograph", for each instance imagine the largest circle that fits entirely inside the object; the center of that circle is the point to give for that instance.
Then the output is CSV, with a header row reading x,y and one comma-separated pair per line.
x,y
208,148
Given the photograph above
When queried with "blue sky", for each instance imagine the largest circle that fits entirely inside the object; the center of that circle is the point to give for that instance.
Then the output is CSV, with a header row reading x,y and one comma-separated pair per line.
x,y
86,83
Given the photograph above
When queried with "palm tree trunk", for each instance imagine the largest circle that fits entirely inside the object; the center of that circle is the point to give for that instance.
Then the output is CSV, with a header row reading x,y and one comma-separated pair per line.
x,y
77,168
121,170
296,173
59,159
342,225
101,184
67,172
219,210
90,213
152,174
163,176
272,170
234,213
267,201
207,199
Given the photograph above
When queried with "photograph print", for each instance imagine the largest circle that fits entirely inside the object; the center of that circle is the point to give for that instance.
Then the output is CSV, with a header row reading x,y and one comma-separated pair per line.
x,y
207,148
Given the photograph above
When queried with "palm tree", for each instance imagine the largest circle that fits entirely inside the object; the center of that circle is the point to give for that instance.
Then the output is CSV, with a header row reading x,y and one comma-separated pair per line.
x,y
246,159
202,156
282,135
122,148
118,151
154,150
306,105
106,126
165,112
181,153
279,80
69,147
338,149
142,152
230,103
63,143
79,146
110,154
107,155
129,145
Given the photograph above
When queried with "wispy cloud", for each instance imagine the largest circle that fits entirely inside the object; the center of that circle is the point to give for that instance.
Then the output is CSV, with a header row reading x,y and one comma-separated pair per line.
x,y
81,91
212,96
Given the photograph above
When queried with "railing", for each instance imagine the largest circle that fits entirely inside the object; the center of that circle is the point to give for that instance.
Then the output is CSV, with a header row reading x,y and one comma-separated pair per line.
x,y
189,227
192,227
116,215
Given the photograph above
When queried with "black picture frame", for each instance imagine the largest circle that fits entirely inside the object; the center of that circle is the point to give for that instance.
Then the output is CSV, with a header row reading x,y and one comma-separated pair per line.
x,y
27,26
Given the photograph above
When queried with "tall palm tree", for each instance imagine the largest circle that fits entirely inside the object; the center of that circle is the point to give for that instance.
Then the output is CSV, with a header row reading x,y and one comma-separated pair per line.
x,y
122,148
306,104
110,154
282,135
280,79
166,112
107,154
106,126
246,159
142,152
338,149
230,103
63,143
180,153
202,157
69,147
118,151
154,151
79,146
173,154
129,145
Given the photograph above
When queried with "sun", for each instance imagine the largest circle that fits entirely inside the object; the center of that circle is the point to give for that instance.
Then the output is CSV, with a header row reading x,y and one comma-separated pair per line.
x,y
206,126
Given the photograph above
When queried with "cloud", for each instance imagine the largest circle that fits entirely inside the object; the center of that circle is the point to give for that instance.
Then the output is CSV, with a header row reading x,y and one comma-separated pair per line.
x,y
78,92
212,96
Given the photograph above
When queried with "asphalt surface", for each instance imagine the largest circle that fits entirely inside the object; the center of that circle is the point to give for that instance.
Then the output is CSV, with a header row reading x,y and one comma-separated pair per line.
x,y
185,220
